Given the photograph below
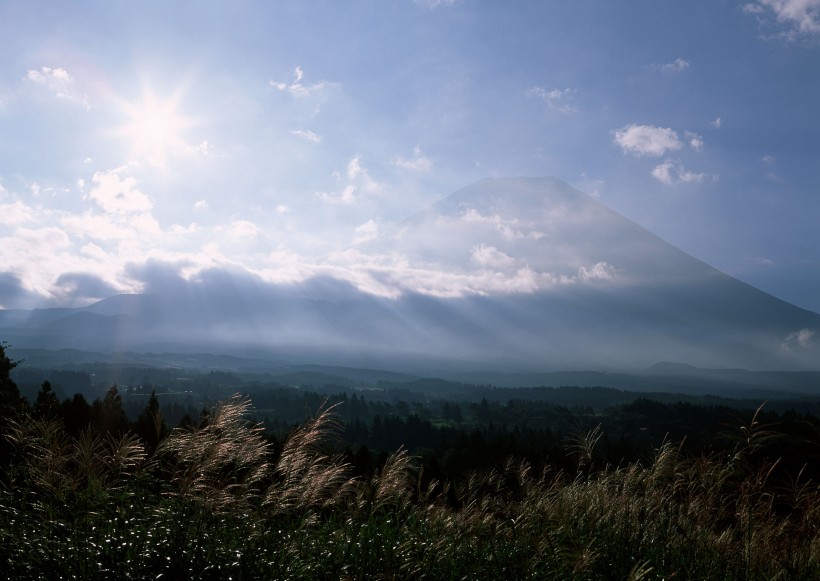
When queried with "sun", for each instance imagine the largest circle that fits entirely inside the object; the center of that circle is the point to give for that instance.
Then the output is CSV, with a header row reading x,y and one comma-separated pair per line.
x,y
155,128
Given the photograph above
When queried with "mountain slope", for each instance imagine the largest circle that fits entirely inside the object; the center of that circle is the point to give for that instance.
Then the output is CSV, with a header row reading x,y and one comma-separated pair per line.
x,y
509,274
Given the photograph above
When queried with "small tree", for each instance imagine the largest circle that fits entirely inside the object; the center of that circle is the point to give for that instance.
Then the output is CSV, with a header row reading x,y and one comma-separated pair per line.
x,y
108,415
150,424
9,394
47,405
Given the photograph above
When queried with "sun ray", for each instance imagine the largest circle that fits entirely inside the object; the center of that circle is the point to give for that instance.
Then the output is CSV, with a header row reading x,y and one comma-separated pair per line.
x,y
155,128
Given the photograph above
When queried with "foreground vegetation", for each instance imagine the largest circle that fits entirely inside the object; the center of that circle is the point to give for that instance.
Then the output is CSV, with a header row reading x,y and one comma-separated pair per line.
x,y
86,493
218,501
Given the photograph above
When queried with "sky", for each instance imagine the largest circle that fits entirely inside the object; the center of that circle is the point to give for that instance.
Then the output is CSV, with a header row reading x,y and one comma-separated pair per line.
x,y
281,138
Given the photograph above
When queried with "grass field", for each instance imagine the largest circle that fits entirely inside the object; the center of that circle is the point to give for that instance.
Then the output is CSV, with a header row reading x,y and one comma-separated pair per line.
x,y
217,502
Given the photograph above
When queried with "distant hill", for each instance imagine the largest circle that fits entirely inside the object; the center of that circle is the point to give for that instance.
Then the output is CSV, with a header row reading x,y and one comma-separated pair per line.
x,y
519,274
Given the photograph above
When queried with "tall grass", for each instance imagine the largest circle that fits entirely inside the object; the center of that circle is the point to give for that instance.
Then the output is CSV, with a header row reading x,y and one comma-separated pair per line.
x,y
216,502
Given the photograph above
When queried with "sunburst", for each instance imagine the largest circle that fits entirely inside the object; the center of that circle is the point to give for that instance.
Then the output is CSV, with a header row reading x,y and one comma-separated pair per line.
x,y
155,128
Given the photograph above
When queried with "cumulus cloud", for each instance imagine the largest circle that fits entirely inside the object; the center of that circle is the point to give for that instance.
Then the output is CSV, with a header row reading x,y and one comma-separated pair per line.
x,y
118,194
418,162
717,122
799,16
647,140
556,99
672,172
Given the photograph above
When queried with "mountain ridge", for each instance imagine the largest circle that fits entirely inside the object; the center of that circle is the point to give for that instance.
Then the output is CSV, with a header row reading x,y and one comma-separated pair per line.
x,y
511,274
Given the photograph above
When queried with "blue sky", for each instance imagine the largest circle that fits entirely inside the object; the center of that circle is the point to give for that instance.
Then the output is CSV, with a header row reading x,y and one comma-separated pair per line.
x,y
283,137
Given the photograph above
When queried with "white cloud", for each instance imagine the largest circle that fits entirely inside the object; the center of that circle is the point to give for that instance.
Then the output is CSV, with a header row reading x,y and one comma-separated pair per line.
x,y
676,66
296,88
557,99
598,271
801,16
112,226
647,140
201,205
672,172
348,195
58,82
436,3
15,213
189,229
717,122
508,228
418,162
307,135
358,182
493,257
695,140
282,209
354,168
802,339
118,194
366,232
243,229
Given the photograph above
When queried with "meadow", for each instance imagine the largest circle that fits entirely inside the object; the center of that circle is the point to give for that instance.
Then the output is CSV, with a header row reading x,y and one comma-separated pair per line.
x,y
221,499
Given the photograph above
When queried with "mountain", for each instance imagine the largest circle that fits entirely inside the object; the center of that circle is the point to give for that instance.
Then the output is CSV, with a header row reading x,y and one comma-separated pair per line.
x,y
519,274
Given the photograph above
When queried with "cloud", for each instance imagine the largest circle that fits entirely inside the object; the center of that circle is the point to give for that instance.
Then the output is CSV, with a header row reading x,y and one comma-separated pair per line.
x,y
676,66
354,168
15,213
201,205
695,141
12,292
799,16
647,140
58,82
243,229
182,230
358,182
493,257
117,194
432,4
672,172
111,226
717,122
418,162
556,99
81,288
366,232
799,340
348,196
508,228
307,135
297,89
598,271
